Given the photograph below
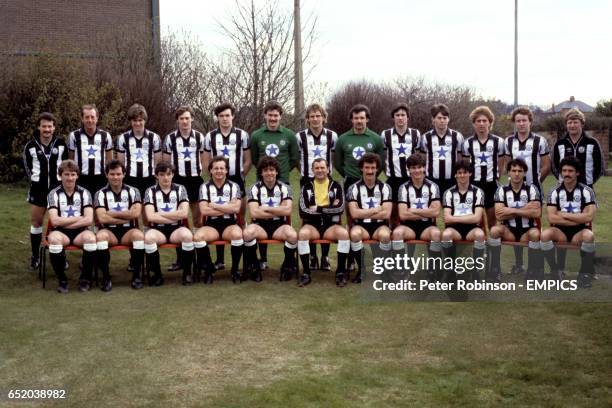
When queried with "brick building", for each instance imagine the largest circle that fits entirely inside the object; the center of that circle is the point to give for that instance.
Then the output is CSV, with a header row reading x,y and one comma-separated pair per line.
x,y
71,28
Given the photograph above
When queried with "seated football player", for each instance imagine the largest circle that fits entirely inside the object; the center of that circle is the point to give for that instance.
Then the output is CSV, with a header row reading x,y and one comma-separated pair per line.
x,y
517,206
370,205
118,207
220,203
321,208
70,214
418,207
269,202
166,205
571,207
463,211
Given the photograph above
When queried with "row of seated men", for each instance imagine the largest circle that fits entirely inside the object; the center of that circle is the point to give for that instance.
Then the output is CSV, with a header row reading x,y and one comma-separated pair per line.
x,y
571,207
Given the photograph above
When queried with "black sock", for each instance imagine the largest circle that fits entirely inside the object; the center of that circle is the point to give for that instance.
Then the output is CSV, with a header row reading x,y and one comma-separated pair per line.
x,y
325,250
341,268
88,264
153,262
289,256
587,264
313,249
204,259
137,260
187,258
236,255
357,257
58,261
250,255
178,255
305,258
518,255
549,255
561,255
263,252
102,262
220,253
35,240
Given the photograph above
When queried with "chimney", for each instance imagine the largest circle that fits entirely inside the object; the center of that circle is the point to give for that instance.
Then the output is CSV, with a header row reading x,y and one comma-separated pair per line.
x,y
572,99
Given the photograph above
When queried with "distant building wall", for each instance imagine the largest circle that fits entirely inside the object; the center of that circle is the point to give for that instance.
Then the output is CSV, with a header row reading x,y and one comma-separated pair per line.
x,y
69,27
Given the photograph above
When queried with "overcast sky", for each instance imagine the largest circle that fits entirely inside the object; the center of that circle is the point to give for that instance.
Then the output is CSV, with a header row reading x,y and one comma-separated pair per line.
x,y
565,47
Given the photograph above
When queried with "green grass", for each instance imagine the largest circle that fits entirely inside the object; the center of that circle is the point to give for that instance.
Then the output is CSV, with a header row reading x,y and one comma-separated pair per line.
x,y
274,344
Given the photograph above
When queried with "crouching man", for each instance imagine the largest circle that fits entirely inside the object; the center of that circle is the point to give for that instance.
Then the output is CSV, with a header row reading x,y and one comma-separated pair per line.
x,y
571,207
71,214
166,206
370,206
118,207
269,202
321,207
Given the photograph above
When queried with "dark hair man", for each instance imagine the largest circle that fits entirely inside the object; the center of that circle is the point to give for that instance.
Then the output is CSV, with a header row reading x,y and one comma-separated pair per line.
x,y
42,156
118,207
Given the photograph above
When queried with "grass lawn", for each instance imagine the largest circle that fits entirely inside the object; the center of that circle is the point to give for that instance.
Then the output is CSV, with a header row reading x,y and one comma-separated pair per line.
x,y
274,344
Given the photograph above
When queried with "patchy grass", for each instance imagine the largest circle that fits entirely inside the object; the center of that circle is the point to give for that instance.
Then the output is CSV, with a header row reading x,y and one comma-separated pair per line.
x,y
274,344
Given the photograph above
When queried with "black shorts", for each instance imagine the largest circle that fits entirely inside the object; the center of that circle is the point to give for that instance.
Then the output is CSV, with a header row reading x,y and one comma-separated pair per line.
x,y
92,183
489,189
219,224
238,180
192,185
321,226
444,185
37,195
70,233
140,183
395,183
270,226
463,229
518,232
119,231
167,230
371,227
418,226
570,231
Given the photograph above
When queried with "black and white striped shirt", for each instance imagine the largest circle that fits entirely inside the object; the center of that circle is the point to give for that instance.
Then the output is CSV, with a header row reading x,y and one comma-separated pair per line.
x,y
123,201
587,150
270,197
185,152
419,197
518,199
485,157
398,148
530,151
166,202
313,147
463,204
139,152
367,197
231,146
229,191
41,161
69,205
574,201
90,152
441,153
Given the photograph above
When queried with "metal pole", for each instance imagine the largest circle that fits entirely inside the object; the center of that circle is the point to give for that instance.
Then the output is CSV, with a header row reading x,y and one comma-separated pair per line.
x,y
515,53
298,80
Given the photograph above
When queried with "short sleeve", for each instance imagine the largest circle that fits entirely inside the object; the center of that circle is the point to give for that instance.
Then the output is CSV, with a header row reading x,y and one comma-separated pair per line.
x,y
148,197
589,196
448,199
434,192
352,193
386,193
156,143
99,201
544,150
553,197
203,195
402,194
87,201
246,141
479,197
135,194
52,200
534,193
499,195
109,142
207,142
72,142
120,147
253,194
182,194
286,193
